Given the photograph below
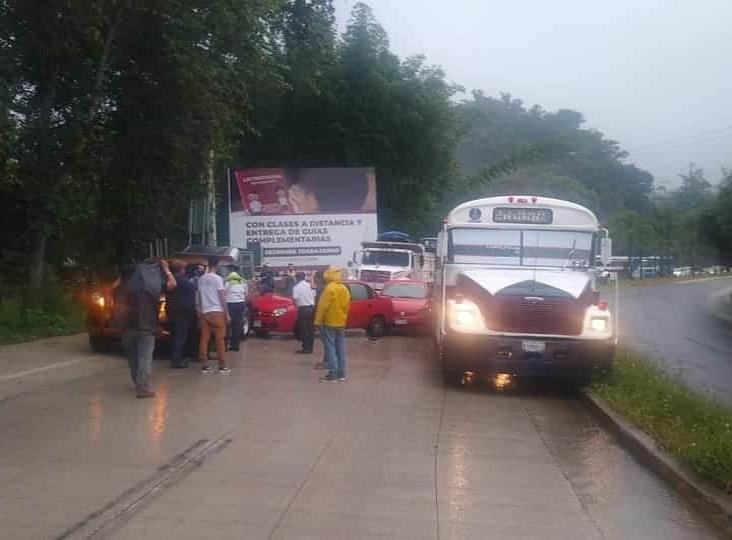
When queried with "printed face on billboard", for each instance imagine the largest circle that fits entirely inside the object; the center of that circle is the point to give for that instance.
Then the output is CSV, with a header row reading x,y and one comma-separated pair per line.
x,y
276,192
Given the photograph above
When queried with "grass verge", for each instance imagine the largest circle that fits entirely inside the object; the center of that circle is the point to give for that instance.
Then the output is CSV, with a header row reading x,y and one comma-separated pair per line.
x,y
689,425
58,315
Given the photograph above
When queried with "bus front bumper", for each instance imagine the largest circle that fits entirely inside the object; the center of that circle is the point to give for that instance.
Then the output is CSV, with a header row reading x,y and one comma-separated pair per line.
x,y
527,357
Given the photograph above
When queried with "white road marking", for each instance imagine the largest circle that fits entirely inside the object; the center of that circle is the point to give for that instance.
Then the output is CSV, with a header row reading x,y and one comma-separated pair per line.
x,y
50,367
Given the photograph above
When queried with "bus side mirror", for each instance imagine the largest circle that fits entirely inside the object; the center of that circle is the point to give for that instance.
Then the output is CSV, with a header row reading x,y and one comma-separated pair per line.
x,y
606,250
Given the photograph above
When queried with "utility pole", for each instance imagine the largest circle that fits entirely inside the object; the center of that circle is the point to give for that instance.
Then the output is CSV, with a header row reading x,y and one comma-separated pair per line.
x,y
210,236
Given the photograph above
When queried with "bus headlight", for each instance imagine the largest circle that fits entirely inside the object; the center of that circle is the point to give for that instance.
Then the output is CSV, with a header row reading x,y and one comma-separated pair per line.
x,y
464,316
598,325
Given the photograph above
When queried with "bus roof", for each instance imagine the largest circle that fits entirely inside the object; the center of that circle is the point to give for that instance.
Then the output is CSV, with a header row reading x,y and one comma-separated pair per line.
x,y
522,211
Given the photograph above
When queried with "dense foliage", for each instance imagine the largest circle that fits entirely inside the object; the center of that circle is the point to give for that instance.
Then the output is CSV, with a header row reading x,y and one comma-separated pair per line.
x,y
112,114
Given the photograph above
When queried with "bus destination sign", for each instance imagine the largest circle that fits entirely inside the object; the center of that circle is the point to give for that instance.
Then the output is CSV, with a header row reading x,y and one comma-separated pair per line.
x,y
529,216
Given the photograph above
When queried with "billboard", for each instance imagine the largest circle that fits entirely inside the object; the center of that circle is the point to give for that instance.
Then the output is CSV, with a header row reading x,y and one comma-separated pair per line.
x,y
308,217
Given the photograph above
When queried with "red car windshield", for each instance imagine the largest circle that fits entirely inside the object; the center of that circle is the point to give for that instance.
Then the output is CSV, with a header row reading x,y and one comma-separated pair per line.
x,y
405,290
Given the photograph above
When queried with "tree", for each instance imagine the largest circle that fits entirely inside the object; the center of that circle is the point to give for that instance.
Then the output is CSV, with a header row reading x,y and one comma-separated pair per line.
x,y
496,128
716,221
59,53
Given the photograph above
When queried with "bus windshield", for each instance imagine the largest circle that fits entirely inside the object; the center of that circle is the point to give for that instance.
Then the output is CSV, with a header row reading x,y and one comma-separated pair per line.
x,y
565,249
385,258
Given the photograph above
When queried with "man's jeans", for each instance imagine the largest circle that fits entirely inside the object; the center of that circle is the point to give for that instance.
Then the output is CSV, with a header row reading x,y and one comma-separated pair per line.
x,y
334,341
305,316
139,346
181,325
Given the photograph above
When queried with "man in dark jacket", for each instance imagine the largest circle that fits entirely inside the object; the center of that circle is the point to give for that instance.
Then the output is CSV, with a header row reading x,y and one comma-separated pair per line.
x,y
180,304
141,296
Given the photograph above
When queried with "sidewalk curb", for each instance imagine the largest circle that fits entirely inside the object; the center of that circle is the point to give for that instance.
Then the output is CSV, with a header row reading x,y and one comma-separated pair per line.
x,y
710,501
719,305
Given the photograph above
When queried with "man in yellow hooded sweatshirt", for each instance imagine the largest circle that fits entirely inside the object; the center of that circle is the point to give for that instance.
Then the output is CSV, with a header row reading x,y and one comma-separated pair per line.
x,y
331,315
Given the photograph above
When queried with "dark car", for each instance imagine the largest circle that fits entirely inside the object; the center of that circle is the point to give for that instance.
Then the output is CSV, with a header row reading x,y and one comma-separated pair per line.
x,y
103,334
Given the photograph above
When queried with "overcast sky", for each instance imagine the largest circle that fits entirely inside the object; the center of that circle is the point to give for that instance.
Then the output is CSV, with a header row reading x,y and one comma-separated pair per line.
x,y
656,75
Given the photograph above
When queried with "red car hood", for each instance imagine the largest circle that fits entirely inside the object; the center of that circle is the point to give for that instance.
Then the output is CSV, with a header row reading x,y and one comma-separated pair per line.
x,y
268,302
408,305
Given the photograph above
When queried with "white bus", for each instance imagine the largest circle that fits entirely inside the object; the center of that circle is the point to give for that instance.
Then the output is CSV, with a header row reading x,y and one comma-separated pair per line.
x,y
515,290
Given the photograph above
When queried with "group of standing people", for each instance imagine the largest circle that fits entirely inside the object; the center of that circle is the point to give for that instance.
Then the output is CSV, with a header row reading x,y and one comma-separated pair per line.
x,y
203,306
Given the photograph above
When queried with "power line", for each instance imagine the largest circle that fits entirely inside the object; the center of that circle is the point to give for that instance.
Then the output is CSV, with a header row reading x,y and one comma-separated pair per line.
x,y
717,132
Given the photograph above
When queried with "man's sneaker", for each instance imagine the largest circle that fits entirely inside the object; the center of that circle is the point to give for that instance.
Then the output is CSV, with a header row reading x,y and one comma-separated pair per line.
x,y
321,365
206,369
224,370
341,379
143,393
328,378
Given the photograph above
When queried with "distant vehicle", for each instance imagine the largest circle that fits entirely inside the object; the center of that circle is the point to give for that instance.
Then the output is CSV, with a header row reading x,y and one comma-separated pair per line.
x,y
272,313
716,269
683,271
516,291
103,335
395,236
379,262
429,243
411,303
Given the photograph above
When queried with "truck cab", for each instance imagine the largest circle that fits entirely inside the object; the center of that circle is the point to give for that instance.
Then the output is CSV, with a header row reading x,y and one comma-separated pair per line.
x,y
516,290
379,262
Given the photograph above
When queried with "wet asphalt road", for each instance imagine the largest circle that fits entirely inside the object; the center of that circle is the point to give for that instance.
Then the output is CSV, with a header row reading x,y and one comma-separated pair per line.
x,y
391,453
671,323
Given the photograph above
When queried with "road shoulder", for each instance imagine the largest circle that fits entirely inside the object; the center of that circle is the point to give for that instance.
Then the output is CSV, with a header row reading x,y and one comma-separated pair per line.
x,y
712,502
719,305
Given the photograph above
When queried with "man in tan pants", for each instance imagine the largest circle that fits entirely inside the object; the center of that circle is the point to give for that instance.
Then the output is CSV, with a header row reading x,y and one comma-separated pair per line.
x,y
213,315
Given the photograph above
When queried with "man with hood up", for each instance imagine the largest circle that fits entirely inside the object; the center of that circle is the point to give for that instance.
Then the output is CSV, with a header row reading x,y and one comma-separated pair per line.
x,y
331,316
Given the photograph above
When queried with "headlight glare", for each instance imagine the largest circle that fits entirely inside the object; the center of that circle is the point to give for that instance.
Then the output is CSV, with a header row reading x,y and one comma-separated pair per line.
x,y
98,300
279,312
465,316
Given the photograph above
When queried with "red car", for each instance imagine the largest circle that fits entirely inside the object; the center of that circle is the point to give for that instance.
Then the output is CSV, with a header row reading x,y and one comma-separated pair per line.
x,y
410,301
369,311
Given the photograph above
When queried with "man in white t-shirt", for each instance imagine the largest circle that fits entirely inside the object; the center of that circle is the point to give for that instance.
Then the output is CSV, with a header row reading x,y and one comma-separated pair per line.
x,y
213,315
304,297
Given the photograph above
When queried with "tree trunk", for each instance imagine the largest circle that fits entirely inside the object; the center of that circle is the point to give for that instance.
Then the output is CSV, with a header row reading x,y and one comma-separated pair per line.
x,y
37,266
39,234
211,214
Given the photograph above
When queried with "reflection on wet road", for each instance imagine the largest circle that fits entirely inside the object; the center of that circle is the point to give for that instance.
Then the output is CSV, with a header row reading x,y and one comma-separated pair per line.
x,y
671,323
391,453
